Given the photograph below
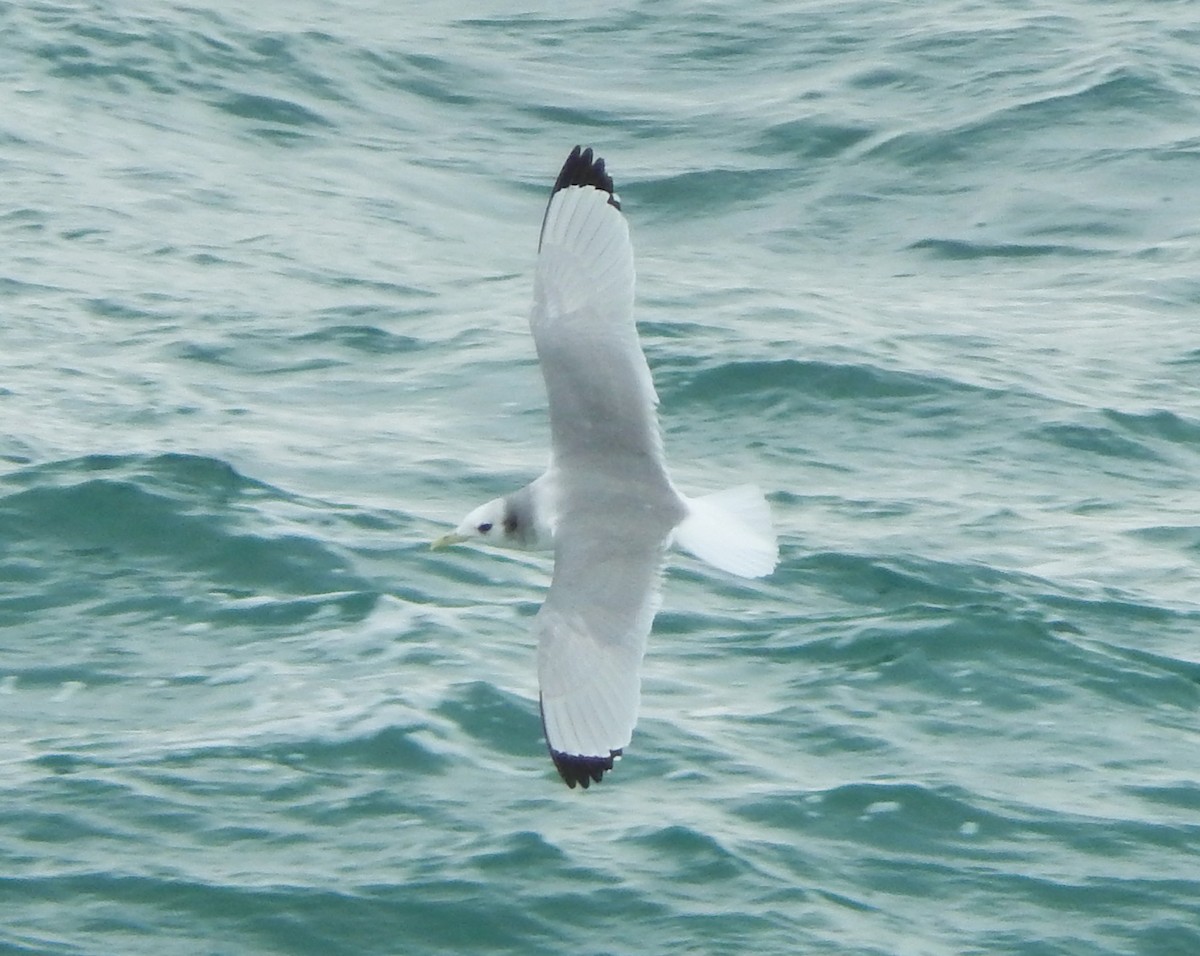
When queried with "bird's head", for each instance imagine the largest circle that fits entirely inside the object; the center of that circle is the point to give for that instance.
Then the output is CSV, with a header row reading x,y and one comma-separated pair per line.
x,y
485,523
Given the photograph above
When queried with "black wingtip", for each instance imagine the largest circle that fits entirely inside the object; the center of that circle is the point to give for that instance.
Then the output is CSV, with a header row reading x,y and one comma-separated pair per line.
x,y
576,769
583,168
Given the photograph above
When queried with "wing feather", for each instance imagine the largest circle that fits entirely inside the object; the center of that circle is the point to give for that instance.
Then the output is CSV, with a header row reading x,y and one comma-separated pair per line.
x,y
592,634
598,383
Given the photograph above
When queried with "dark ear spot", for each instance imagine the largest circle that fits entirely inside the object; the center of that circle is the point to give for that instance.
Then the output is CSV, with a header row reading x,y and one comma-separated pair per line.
x,y
510,522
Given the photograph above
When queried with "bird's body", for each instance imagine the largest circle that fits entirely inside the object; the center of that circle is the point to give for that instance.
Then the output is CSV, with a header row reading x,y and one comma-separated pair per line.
x,y
606,504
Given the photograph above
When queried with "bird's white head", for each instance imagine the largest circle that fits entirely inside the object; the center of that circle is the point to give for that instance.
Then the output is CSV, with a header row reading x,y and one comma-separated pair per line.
x,y
523,520
486,523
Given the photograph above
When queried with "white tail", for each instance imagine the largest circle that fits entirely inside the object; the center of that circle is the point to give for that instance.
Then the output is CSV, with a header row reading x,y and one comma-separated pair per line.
x,y
731,530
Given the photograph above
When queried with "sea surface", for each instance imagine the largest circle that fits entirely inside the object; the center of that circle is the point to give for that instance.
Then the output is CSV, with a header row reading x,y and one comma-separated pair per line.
x,y
928,273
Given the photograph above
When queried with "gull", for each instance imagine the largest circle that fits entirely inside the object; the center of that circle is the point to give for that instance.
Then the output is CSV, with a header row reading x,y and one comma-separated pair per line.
x,y
605,506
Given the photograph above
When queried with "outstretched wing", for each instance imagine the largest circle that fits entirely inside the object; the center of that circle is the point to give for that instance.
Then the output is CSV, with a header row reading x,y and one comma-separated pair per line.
x,y
615,504
601,396
591,637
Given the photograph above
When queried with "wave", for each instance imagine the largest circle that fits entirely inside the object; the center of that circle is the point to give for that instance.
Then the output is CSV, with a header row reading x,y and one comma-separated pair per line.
x,y
962,249
790,380
1116,91
119,532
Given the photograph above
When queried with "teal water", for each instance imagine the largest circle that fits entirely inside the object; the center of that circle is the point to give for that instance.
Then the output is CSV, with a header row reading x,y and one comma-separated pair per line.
x,y
926,273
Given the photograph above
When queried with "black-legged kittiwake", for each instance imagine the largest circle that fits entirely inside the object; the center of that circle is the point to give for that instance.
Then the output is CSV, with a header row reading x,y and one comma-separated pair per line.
x,y
606,505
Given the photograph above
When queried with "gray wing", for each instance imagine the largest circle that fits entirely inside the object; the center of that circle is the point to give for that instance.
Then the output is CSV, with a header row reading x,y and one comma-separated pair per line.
x,y
601,396
592,633
615,504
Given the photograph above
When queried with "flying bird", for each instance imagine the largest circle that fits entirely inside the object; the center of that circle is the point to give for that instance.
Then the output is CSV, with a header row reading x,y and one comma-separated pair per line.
x,y
605,505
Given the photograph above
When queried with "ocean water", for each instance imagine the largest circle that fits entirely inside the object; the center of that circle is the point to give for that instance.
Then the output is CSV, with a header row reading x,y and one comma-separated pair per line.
x,y
927,273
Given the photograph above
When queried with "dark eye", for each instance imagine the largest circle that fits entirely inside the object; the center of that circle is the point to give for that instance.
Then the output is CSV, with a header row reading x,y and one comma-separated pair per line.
x,y
485,527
